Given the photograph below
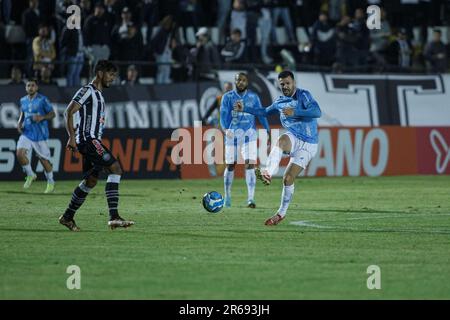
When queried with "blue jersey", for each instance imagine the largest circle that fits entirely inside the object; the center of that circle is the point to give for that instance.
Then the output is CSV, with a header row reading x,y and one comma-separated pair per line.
x,y
230,119
303,124
39,105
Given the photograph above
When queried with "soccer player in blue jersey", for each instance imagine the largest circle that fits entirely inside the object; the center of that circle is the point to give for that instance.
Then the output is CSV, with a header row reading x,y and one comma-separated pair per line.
x,y
240,134
298,115
35,112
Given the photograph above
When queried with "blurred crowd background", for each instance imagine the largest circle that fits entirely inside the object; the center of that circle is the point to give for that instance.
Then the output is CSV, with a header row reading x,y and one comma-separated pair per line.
x,y
185,40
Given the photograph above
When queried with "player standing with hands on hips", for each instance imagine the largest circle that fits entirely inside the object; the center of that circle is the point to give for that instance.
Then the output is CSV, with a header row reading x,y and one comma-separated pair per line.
x,y
35,112
86,139
298,115
240,134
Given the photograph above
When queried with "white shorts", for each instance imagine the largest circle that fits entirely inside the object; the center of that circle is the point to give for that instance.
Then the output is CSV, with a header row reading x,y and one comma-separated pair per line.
x,y
301,152
41,147
238,143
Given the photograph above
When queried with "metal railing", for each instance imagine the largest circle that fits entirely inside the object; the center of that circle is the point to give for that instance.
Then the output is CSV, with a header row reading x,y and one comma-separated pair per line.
x,y
194,72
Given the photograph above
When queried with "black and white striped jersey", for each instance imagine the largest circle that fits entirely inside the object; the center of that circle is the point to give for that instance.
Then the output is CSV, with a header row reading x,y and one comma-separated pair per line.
x,y
91,116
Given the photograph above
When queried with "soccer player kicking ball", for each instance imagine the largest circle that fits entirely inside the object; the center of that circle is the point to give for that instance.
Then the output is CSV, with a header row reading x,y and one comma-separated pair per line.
x,y
35,111
298,113
240,134
86,139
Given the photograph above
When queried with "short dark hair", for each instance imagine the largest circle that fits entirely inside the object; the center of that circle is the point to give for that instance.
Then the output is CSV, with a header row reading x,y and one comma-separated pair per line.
x,y
237,31
242,74
33,80
285,74
438,31
105,66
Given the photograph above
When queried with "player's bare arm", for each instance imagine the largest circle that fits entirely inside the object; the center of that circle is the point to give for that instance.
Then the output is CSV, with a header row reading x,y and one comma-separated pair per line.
x,y
20,123
48,116
72,108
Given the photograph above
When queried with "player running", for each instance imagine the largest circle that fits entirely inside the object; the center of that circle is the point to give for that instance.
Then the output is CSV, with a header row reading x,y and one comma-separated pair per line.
x,y
35,111
240,134
298,113
86,139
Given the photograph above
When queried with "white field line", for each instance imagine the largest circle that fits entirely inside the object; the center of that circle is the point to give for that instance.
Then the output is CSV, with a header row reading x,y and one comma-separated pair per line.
x,y
315,225
404,215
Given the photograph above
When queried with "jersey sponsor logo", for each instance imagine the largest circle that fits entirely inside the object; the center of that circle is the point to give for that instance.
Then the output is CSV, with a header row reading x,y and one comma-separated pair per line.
x,y
81,93
98,147
441,149
106,156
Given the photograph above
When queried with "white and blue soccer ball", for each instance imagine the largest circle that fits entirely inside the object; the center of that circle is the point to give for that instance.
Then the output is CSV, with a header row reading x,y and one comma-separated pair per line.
x,y
213,202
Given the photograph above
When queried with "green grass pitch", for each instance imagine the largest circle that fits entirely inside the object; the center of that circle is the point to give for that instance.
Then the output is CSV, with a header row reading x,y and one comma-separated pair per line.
x,y
335,229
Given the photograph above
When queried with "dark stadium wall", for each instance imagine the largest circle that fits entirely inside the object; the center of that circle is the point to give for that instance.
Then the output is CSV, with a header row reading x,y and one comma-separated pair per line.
x,y
345,100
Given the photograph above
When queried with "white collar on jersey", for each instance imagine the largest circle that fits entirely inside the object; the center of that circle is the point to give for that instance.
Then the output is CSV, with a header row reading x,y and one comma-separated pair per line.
x,y
93,85
243,95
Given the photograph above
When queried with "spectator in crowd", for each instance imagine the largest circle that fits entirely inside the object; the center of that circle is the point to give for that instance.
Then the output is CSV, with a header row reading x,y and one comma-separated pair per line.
x,y
323,41
190,13
336,10
131,46
281,9
30,21
162,50
182,67
238,18
5,11
436,54
96,35
205,54
399,52
352,40
253,11
149,17
234,49
43,49
16,76
362,39
120,32
60,12
265,26
345,39
47,11
113,10
132,76
223,11
86,9
380,40
46,76
72,51
305,12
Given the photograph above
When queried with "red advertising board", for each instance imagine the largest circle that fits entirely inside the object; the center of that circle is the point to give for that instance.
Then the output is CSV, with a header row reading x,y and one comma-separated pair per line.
x,y
376,151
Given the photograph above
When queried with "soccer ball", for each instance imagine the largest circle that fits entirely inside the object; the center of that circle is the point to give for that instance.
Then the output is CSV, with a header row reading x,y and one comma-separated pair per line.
x,y
212,202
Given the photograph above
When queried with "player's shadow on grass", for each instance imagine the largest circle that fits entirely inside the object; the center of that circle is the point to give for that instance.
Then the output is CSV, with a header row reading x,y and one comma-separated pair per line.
x,y
41,230
41,194
68,194
368,210
239,234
